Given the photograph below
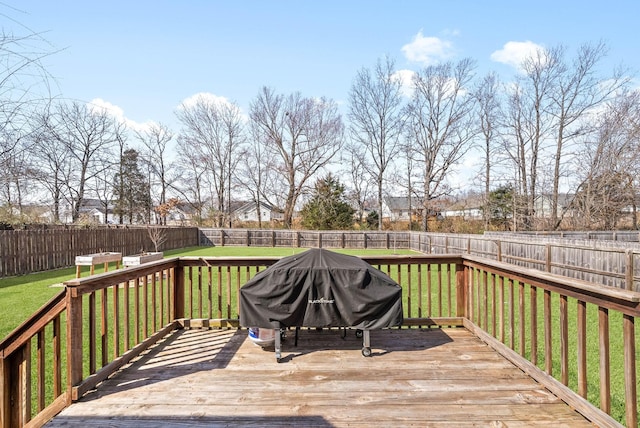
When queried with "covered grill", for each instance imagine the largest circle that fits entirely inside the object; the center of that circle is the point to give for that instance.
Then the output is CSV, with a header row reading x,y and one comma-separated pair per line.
x,y
321,288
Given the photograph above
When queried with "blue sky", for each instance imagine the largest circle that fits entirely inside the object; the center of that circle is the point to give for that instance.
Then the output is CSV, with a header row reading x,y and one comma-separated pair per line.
x,y
145,57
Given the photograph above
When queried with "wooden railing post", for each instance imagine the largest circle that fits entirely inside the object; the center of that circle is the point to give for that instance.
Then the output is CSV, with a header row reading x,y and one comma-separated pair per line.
x,y
178,292
5,393
461,291
74,340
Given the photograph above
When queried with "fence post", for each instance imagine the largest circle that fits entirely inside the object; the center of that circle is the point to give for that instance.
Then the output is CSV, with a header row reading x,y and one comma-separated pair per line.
x,y
364,237
498,250
248,238
388,246
319,239
221,237
548,257
297,239
461,290
74,340
628,271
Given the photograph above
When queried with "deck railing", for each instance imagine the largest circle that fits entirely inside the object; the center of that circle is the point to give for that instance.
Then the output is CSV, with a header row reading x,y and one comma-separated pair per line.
x,y
100,323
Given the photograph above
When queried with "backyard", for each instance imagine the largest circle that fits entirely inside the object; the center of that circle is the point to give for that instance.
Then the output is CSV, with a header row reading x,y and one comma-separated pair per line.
x,y
21,296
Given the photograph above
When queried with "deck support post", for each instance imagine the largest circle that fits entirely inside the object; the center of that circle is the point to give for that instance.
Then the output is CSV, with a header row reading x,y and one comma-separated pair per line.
x,y
461,291
74,340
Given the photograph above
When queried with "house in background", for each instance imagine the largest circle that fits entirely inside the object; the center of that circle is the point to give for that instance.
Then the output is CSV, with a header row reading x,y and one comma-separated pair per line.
x,y
469,208
399,208
248,212
91,210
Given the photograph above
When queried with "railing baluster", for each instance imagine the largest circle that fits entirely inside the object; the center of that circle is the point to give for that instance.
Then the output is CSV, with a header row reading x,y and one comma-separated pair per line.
x,y
219,292
439,277
521,314
409,290
630,375
125,322
41,369
493,304
548,343
57,356
511,315
605,359
210,290
116,320
501,308
533,316
419,273
200,291
136,308
228,292
154,304
449,289
92,333
485,301
104,326
429,305
564,341
145,306
582,348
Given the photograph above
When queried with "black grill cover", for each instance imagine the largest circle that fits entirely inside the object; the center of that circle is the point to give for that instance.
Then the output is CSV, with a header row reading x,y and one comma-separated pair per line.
x,y
321,288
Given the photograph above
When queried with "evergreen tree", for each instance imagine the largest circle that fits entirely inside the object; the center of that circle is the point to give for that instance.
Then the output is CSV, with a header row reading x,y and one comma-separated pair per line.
x,y
131,191
327,209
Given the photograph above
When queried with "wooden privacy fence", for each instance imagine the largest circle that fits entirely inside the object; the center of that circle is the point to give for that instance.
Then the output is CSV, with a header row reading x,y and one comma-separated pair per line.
x,y
538,320
602,262
27,251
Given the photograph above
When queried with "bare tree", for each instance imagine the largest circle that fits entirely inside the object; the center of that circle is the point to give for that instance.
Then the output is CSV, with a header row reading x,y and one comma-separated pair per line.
x,y
361,184
488,114
578,91
301,134
88,135
441,125
608,168
193,180
215,131
256,172
376,120
156,139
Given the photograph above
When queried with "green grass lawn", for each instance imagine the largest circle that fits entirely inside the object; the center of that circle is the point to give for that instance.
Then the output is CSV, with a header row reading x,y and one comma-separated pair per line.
x,y
21,296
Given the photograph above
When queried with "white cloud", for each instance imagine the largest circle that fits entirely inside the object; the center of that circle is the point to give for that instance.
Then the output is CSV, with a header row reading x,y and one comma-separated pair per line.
x,y
427,50
406,81
205,97
99,105
514,53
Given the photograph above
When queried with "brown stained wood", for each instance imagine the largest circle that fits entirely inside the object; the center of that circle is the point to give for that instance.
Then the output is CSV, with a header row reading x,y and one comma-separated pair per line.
x,y
512,329
219,289
92,332
104,342
485,301
40,370
116,323
630,375
605,360
533,324
228,291
521,320
408,292
548,343
564,340
582,348
136,308
199,292
416,377
57,357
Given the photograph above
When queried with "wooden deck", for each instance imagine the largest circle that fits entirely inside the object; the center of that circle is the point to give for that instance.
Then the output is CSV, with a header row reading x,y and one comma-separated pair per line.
x,y
415,377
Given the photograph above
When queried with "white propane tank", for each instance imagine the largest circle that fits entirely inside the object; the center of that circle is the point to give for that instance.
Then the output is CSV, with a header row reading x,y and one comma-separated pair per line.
x,y
262,336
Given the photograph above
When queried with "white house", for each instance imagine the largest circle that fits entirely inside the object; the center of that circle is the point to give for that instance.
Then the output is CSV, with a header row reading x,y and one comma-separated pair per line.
x,y
248,212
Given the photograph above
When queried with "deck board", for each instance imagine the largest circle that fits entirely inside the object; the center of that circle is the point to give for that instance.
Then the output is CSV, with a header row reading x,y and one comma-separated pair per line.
x,y
415,377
